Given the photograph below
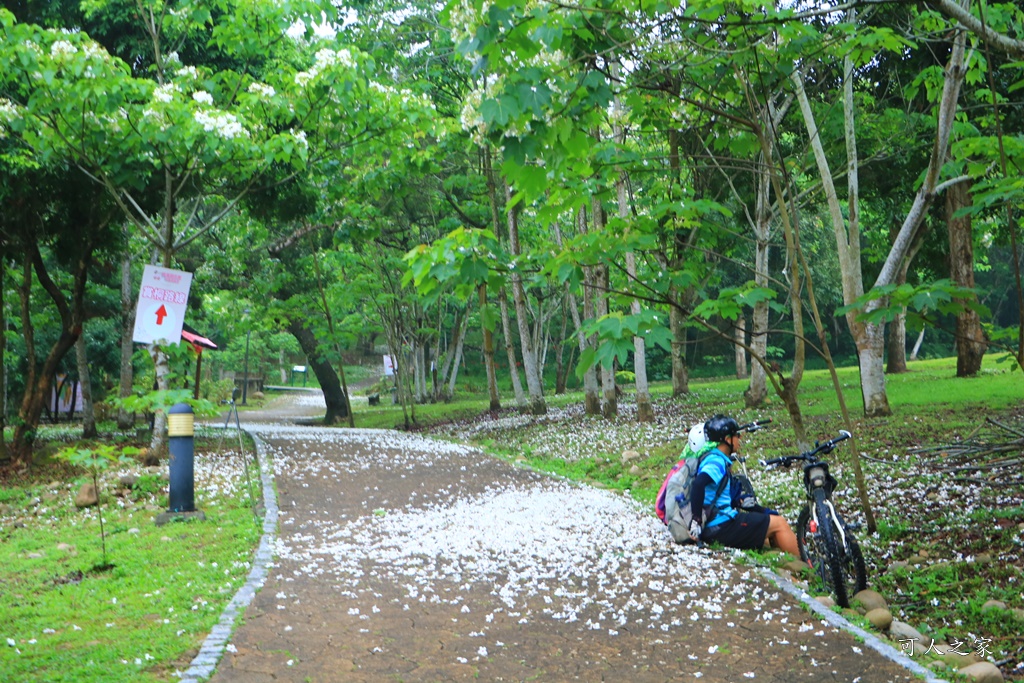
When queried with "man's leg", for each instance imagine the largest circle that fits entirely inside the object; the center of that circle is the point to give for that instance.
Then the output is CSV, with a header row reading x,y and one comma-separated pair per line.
x,y
781,536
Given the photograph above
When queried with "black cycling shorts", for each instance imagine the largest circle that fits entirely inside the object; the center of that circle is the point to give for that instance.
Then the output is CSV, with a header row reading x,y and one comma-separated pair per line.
x,y
746,531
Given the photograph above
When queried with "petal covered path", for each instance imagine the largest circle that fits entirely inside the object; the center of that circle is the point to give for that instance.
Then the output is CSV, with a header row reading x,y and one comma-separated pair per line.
x,y
401,558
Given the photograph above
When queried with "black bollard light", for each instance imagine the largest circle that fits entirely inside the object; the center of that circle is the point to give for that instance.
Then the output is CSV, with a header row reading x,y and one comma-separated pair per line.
x,y
181,443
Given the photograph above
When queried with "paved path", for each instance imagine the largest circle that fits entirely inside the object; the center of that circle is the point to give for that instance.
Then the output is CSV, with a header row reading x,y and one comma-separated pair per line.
x,y
404,559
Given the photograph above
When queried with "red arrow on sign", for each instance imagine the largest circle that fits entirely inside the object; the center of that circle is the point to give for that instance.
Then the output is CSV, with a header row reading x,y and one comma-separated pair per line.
x,y
161,313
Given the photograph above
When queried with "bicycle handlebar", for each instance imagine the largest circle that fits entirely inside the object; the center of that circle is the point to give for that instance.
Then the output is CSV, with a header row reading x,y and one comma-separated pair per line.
x,y
755,425
811,455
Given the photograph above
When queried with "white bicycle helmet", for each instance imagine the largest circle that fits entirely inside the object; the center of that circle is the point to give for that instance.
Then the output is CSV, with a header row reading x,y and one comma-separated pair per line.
x,y
697,437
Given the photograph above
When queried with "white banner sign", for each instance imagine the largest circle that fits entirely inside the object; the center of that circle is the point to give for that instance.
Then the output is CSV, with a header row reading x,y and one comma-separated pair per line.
x,y
160,313
389,367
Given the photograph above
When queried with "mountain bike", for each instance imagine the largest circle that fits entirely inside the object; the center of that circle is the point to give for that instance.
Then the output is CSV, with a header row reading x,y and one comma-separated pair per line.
x,y
825,540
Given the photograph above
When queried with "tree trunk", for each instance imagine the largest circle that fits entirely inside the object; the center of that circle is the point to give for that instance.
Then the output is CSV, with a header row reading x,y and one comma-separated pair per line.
x,y
161,366
492,375
419,356
870,351
84,380
510,349
969,335
868,337
560,368
644,407
506,326
609,398
870,356
534,384
347,411
740,347
126,420
162,370
897,338
4,456
591,392
334,397
450,356
757,391
457,358
680,373
39,381
917,345
896,363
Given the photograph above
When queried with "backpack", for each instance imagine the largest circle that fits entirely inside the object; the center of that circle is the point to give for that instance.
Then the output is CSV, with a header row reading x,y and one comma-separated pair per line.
x,y
673,502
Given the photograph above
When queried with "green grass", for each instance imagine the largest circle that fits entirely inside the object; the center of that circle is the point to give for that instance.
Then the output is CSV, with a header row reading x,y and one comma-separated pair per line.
x,y
140,620
930,385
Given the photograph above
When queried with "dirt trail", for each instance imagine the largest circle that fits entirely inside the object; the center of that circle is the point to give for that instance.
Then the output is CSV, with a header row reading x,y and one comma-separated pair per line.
x,y
404,559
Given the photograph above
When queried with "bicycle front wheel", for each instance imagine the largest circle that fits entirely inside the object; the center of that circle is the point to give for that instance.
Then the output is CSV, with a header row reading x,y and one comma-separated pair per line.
x,y
839,569
812,548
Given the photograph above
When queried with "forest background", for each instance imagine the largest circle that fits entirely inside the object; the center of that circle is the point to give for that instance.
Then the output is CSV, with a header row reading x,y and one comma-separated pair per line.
x,y
656,189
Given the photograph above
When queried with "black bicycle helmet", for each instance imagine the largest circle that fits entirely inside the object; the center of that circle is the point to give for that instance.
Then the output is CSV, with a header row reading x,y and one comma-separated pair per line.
x,y
721,427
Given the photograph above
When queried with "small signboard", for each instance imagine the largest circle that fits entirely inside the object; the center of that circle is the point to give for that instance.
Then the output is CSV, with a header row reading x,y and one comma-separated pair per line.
x,y
160,312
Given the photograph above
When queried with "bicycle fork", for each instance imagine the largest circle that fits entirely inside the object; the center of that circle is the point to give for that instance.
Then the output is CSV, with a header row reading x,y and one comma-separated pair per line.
x,y
835,522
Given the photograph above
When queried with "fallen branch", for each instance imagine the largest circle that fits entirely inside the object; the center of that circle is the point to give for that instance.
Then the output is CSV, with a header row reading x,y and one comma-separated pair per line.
x,y
986,482
987,466
1001,425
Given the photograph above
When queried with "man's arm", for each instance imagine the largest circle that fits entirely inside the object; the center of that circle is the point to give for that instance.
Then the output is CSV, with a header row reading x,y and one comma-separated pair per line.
x,y
697,493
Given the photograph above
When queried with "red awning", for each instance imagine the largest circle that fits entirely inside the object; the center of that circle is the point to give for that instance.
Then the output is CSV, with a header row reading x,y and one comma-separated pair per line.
x,y
197,340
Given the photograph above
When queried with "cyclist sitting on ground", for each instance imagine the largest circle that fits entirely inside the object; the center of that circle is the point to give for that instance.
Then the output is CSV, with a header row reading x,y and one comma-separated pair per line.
x,y
745,528
741,497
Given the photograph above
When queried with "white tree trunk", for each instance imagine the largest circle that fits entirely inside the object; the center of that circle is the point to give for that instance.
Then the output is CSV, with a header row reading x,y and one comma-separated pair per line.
x,y
533,380
741,352
868,337
458,330
492,376
510,349
610,401
875,401
591,393
158,442
457,356
420,365
757,391
917,344
644,407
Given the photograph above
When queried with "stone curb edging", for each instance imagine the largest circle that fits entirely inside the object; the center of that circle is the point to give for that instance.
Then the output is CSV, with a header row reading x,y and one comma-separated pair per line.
x,y
205,663
838,621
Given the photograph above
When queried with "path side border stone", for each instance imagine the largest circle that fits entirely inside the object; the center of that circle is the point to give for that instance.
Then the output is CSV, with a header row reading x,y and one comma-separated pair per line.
x,y
838,621
205,663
